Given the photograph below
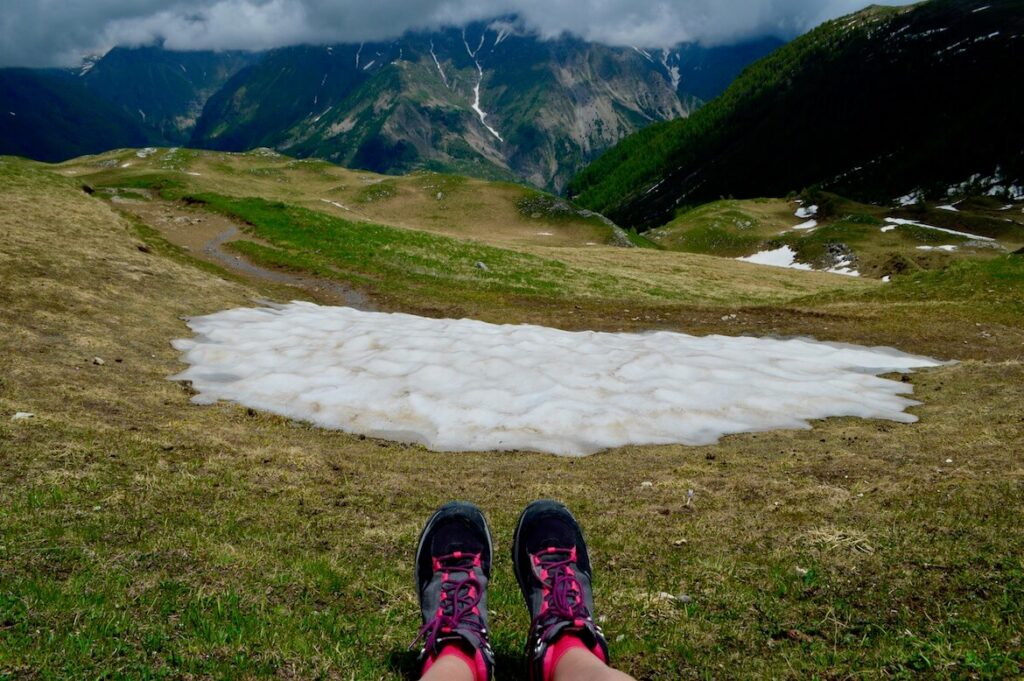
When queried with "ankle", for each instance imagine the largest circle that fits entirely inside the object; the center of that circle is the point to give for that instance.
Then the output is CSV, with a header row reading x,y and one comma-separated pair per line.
x,y
563,645
456,654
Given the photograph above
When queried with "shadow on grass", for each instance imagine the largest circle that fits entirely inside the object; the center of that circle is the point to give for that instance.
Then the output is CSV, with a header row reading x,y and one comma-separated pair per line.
x,y
508,666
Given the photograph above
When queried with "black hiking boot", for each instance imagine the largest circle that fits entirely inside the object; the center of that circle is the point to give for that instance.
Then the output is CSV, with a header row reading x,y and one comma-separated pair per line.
x,y
553,570
453,565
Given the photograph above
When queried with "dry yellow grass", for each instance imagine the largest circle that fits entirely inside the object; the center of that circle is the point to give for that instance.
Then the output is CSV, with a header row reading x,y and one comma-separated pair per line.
x,y
143,536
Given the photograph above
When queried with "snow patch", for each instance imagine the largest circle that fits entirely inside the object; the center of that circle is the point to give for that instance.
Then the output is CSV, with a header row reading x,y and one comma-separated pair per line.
x,y
476,88
950,208
643,53
336,204
949,248
464,385
444,78
914,223
779,257
844,267
805,212
910,199
810,224
673,71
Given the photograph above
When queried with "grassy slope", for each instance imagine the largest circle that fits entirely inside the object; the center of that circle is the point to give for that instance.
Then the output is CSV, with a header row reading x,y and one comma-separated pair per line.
x,y
443,204
142,536
733,228
396,238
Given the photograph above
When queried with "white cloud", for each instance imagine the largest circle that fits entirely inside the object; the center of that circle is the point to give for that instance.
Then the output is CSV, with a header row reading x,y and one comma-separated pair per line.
x,y
36,33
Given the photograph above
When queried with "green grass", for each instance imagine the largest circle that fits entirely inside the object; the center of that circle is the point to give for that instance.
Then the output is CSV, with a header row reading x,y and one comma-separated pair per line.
x,y
407,263
143,536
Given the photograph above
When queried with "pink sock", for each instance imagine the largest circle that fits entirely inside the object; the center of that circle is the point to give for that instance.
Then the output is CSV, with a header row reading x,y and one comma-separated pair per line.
x,y
560,647
476,663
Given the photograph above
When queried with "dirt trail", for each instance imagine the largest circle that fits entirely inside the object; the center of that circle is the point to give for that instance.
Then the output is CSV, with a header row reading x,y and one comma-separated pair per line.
x,y
205,235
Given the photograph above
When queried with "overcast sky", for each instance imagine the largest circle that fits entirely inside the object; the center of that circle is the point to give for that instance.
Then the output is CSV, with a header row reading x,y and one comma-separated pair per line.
x,y
60,32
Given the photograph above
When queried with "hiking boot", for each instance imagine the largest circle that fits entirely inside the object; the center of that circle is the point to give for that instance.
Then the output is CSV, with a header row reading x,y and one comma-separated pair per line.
x,y
553,570
453,565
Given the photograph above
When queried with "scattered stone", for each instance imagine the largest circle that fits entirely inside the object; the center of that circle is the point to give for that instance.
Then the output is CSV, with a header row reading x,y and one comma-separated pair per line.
x,y
949,460
665,596
647,483
482,266
98,361
684,598
801,571
440,196
680,542
23,416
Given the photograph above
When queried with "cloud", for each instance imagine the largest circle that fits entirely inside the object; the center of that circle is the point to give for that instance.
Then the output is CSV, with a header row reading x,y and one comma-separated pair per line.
x,y
60,32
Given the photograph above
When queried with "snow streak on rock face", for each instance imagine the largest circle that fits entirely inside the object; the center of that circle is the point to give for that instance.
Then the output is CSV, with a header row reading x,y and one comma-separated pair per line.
x,y
463,385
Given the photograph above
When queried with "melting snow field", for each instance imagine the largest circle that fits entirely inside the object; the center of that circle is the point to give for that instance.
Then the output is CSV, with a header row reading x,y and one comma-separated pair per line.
x,y
463,385
784,256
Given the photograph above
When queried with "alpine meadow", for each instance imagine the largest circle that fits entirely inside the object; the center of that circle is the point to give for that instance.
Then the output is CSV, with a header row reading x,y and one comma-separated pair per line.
x,y
301,304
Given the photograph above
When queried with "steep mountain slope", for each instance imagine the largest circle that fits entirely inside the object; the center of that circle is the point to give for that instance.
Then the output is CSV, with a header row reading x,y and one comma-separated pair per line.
x,y
162,89
874,106
490,100
48,116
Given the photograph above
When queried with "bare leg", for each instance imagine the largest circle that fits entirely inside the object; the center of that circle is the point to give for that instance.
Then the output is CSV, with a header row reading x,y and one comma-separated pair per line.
x,y
580,665
448,669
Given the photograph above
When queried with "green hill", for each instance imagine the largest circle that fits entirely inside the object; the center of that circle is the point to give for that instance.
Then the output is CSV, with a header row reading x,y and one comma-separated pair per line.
x,y
871,106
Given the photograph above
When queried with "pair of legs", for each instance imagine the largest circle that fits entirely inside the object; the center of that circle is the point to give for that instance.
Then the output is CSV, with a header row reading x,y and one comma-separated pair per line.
x,y
552,567
575,665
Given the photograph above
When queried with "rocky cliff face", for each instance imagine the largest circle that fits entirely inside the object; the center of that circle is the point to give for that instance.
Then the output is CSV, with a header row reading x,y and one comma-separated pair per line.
x,y
490,100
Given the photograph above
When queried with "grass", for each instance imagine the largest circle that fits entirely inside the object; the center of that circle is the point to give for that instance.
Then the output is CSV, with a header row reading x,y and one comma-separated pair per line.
x,y
440,203
409,266
142,536
731,228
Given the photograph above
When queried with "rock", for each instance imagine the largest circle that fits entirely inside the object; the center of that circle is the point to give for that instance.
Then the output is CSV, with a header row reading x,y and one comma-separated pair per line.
x,y
801,571
647,483
23,416
482,266
665,596
98,361
440,195
620,238
684,598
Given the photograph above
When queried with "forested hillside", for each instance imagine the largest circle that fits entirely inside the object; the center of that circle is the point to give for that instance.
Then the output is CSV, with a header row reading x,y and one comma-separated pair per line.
x,y
874,105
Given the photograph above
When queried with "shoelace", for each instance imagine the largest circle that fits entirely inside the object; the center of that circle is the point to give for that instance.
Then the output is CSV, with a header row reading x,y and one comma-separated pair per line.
x,y
563,594
459,599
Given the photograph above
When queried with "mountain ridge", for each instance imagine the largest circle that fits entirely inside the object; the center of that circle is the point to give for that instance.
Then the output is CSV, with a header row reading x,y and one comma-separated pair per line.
x,y
924,101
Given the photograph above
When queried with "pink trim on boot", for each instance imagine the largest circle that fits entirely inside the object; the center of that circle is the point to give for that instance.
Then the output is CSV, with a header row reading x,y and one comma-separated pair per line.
x,y
559,648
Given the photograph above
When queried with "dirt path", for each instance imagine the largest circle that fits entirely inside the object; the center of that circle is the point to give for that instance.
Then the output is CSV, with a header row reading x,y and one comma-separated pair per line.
x,y
205,235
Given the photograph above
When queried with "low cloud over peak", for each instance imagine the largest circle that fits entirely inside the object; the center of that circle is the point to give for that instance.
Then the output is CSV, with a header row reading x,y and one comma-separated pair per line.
x,y
34,33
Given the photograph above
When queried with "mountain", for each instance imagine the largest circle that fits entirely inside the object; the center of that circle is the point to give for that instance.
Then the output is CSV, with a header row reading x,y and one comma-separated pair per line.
x,y
49,116
162,89
875,105
490,100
